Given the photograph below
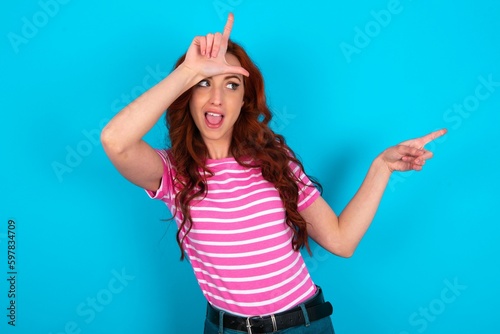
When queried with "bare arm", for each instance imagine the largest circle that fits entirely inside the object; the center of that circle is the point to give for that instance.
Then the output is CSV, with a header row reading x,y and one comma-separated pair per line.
x,y
341,235
122,137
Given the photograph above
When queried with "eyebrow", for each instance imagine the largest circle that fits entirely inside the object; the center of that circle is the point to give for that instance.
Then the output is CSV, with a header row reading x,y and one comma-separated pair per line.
x,y
234,76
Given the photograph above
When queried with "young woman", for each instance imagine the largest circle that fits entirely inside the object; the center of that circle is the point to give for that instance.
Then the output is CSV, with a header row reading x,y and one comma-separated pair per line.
x,y
242,201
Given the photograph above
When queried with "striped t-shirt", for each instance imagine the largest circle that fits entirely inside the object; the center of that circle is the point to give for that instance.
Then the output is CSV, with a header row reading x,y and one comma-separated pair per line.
x,y
240,246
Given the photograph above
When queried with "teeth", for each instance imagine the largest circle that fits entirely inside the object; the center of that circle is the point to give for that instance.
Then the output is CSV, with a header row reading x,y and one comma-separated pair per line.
x,y
213,114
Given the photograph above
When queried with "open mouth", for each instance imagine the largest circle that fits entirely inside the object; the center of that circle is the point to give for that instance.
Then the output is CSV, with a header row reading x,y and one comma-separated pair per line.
x,y
213,119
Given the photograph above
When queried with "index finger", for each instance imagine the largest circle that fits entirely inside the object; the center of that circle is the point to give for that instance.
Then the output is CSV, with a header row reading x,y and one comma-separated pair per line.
x,y
432,136
228,27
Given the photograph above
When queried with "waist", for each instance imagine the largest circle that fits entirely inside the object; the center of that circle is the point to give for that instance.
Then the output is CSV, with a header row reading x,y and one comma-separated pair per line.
x,y
315,308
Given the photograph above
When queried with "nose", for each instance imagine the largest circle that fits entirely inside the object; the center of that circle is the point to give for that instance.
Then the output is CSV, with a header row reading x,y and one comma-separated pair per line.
x,y
216,95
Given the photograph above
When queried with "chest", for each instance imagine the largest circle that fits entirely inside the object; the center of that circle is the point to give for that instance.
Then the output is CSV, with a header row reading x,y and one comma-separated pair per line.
x,y
237,199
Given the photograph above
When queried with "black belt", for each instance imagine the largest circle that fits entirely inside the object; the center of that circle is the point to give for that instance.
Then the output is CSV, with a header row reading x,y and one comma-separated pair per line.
x,y
316,308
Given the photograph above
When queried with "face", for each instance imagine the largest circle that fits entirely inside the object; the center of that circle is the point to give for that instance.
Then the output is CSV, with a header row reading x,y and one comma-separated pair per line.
x,y
215,106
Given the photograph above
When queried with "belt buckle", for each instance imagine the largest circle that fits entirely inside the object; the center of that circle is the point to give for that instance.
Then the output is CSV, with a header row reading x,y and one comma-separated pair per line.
x,y
273,319
249,326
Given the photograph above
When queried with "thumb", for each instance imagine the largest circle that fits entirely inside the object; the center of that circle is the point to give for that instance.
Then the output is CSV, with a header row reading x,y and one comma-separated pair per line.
x,y
405,150
236,70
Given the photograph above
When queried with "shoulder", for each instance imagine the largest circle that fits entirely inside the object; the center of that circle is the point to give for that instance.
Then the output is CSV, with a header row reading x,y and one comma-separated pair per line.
x,y
166,155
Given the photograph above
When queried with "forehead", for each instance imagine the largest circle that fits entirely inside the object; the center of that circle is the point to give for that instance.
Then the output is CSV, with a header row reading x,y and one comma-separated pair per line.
x,y
232,60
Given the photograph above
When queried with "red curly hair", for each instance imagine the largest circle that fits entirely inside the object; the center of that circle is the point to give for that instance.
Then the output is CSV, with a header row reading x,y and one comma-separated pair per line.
x,y
251,137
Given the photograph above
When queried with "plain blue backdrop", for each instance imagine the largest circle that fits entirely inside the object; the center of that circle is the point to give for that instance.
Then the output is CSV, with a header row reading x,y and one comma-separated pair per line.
x,y
344,80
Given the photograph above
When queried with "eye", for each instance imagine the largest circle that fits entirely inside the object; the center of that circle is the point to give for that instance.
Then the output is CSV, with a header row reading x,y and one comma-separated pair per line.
x,y
203,83
232,85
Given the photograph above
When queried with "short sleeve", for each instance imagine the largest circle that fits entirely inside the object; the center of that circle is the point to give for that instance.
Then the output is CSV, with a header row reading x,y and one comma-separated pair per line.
x,y
307,191
165,189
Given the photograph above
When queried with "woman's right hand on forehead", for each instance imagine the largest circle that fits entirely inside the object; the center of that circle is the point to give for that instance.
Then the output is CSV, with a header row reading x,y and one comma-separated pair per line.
x,y
206,54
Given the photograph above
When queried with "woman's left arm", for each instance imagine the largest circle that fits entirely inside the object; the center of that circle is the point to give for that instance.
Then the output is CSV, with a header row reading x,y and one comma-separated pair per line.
x,y
342,234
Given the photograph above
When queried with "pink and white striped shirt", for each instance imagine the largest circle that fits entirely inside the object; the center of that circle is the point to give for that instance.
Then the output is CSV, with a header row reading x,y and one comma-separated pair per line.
x,y
240,247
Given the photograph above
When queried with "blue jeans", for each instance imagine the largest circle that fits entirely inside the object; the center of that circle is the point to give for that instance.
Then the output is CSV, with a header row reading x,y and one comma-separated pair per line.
x,y
321,326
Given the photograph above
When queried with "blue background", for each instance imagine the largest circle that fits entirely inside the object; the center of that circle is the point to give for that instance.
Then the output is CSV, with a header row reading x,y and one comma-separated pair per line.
x,y
94,254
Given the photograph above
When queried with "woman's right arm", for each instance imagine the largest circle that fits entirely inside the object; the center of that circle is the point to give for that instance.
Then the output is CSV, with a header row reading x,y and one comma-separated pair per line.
x,y
122,137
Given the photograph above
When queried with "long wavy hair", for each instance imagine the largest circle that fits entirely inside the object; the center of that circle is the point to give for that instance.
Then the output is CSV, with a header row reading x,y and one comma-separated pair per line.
x,y
251,138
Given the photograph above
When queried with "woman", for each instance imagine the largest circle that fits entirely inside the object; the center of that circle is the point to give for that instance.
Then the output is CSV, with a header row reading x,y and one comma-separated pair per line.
x,y
242,201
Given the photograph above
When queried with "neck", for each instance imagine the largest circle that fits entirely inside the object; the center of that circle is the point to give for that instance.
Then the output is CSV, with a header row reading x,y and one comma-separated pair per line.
x,y
216,152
